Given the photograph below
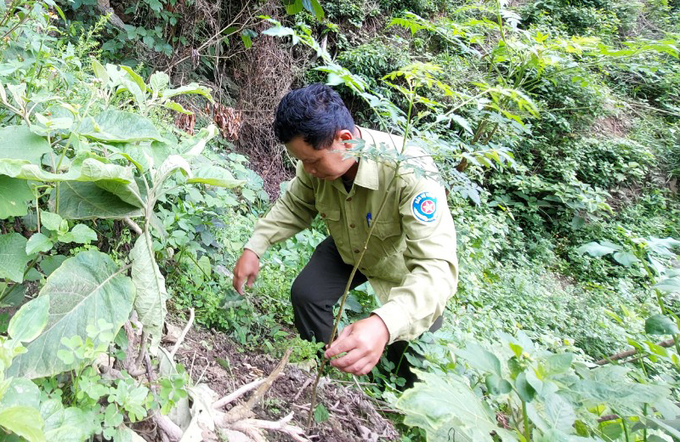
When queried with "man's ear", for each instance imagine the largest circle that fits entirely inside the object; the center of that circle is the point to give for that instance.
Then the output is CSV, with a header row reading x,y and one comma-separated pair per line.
x,y
344,136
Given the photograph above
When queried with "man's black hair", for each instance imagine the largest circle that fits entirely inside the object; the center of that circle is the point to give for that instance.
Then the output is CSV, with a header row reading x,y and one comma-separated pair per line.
x,y
316,113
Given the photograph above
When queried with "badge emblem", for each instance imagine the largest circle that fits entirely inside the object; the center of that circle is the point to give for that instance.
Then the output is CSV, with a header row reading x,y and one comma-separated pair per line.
x,y
424,207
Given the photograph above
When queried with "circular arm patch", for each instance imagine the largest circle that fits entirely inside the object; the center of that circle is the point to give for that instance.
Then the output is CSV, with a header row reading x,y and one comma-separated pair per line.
x,y
424,207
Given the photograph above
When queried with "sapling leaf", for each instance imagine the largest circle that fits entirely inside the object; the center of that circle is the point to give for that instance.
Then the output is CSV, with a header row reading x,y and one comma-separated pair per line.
x,y
660,325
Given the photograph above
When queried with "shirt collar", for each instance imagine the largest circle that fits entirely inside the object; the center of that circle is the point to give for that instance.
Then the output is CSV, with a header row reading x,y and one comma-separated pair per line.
x,y
367,174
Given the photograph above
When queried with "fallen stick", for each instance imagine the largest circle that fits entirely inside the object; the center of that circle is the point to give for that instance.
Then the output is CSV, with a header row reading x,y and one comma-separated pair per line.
x,y
238,393
245,411
627,353
183,334
296,433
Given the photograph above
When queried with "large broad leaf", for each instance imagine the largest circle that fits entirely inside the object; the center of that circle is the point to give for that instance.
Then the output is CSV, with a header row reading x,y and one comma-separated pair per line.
x,y
23,421
30,320
20,393
82,169
18,142
480,358
446,406
119,127
598,249
150,284
86,288
88,201
191,88
13,257
14,197
669,285
215,176
611,385
660,325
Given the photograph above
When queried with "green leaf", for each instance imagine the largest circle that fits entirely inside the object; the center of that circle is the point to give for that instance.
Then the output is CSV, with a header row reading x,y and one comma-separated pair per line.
x,y
100,71
13,257
247,41
557,364
279,31
51,263
88,201
18,142
215,176
84,288
660,325
191,88
80,234
480,358
53,222
560,413
30,320
169,166
626,259
159,81
669,285
457,407
316,9
119,127
14,197
139,81
597,250
320,413
150,284
173,105
23,421
525,391
496,385
20,392
38,243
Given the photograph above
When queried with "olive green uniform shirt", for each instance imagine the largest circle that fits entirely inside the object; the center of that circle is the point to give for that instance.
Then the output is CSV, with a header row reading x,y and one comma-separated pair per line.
x,y
411,256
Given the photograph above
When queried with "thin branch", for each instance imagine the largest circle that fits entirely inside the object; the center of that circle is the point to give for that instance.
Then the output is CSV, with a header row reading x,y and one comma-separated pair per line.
x,y
245,410
184,333
238,393
133,225
631,352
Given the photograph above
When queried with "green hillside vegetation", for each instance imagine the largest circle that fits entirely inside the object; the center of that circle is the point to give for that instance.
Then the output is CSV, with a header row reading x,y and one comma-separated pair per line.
x,y
136,154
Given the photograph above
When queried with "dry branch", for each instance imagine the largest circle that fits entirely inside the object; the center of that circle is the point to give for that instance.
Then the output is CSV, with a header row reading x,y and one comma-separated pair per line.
x,y
296,433
631,352
183,334
245,410
238,393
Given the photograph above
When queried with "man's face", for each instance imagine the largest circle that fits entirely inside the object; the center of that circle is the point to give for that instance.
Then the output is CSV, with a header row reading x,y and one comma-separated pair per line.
x,y
326,164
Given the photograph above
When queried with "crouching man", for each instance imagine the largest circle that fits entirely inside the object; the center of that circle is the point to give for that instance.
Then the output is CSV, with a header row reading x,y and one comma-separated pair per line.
x,y
411,257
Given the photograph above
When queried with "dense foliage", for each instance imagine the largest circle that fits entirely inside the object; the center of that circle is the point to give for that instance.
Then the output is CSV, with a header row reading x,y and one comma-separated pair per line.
x,y
556,127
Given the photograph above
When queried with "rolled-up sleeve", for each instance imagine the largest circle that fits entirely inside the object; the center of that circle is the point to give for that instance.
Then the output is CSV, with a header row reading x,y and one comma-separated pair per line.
x,y
292,213
430,256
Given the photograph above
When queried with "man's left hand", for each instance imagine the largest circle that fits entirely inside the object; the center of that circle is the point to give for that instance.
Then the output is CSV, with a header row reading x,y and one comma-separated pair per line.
x,y
362,342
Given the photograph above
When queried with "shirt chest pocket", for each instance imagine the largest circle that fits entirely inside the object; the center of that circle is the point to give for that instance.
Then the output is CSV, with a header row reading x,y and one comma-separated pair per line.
x,y
386,239
331,217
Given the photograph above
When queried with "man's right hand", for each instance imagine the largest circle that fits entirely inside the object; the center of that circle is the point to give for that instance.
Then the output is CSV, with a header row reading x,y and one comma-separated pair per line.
x,y
247,267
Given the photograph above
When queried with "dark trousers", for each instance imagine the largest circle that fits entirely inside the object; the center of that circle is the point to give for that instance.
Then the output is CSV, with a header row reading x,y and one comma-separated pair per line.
x,y
316,290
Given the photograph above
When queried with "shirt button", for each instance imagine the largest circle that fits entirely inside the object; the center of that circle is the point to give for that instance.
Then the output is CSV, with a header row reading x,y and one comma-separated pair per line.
x,y
323,215
349,199
356,250
352,225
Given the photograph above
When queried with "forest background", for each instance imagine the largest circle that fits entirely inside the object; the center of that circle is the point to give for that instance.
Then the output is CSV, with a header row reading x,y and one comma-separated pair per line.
x,y
136,154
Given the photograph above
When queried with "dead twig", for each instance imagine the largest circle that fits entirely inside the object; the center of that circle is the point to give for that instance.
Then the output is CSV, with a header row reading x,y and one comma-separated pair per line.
x,y
238,393
296,433
631,352
183,334
134,226
245,411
